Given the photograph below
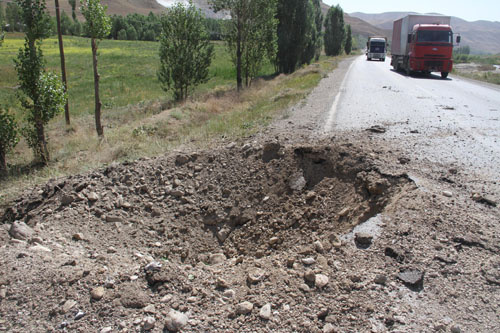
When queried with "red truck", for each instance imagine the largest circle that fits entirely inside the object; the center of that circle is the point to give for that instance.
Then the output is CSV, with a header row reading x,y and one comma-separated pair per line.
x,y
423,43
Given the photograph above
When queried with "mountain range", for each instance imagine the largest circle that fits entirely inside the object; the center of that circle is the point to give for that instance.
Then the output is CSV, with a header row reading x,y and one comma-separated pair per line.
x,y
481,36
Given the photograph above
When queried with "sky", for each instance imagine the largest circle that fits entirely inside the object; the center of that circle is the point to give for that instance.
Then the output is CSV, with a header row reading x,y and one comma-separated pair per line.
x,y
468,10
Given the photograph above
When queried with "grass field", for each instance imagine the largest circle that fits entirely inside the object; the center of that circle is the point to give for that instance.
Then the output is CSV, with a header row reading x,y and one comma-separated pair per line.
x,y
140,119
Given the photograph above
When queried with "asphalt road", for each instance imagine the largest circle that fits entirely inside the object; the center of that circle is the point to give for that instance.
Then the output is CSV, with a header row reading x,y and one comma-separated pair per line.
x,y
452,121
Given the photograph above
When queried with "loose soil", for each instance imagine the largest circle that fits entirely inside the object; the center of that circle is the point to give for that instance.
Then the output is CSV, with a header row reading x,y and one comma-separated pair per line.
x,y
286,231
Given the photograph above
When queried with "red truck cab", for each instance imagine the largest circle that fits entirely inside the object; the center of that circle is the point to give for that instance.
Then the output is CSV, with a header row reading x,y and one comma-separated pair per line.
x,y
423,43
431,49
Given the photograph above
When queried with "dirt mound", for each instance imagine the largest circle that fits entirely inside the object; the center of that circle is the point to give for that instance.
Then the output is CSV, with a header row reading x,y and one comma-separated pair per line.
x,y
197,232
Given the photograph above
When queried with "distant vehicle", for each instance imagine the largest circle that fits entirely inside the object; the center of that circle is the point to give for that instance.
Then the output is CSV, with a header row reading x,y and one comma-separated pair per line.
x,y
423,43
376,48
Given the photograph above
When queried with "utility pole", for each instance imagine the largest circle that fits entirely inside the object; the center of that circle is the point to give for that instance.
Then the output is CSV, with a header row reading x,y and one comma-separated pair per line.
x,y
63,62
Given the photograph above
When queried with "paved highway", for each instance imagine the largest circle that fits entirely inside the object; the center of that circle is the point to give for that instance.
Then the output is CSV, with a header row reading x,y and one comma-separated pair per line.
x,y
452,121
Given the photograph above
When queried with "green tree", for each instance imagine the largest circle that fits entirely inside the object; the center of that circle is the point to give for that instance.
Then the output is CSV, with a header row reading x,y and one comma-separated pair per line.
x,y
65,23
97,26
131,33
72,3
318,21
185,50
250,35
348,40
122,35
334,31
13,16
8,137
296,20
41,94
2,23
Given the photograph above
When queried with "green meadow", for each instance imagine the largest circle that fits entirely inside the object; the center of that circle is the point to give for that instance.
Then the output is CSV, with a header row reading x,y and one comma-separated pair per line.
x,y
127,70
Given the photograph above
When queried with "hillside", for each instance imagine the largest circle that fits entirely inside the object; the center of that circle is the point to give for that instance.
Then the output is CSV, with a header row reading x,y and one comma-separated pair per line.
x,y
481,36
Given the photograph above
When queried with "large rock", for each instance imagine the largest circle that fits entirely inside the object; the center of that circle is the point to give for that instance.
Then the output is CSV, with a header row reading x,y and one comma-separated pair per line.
x,y
20,230
175,321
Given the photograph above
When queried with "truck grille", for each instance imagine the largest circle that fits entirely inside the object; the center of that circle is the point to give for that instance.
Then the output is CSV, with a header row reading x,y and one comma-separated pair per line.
x,y
434,56
433,63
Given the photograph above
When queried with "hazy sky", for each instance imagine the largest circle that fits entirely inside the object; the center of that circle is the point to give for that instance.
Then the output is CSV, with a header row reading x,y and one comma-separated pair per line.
x,y
468,10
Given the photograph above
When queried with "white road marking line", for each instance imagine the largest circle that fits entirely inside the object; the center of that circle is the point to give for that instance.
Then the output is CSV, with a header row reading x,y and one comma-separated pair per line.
x,y
333,110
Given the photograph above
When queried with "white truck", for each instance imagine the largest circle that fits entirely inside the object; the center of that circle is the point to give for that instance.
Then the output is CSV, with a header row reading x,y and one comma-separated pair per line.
x,y
376,48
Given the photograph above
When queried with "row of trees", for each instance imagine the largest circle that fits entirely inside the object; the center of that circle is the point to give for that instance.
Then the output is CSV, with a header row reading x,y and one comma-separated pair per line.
x,y
41,93
257,30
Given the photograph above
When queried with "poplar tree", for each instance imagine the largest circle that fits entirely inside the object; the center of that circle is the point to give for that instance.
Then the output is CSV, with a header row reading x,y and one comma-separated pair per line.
x,y
185,50
334,31
250,35
297,34
97,26
41,94
348,40
8,137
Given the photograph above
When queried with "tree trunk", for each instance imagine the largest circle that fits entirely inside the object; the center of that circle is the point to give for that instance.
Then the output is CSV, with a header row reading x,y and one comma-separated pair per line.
x,y
98,126
239,80
43,152
63,61
3,163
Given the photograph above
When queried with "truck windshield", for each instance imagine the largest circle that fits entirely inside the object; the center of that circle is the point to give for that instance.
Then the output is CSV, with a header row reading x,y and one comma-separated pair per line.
x,y
377,46
441,36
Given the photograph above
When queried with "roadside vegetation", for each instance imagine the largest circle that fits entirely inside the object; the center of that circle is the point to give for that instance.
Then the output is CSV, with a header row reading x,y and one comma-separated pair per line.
x,y
482,67
139,117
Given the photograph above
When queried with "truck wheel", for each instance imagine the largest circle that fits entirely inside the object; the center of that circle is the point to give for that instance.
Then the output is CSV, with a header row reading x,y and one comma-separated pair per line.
x,y
369,59
444,75
408,71
383,59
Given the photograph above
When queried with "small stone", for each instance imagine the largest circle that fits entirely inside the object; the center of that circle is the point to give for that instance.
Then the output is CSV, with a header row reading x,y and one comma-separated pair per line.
x,y
308,261
217,258
223,234
380,279
111,249
67,199
310,276
344,212
447,194
328,328
181,159
78,237
456,329
255,276
150,309
68,305
113,219
97,293
37,240
79,315
40,248
175,321
412,278
321,280
304,287
154,266
229,293
92,197
148,323
311,195
265,312
273,240
20,230
244,308
363,239
297,182
290,262
106,330
318,246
